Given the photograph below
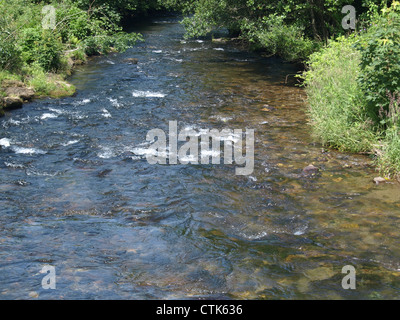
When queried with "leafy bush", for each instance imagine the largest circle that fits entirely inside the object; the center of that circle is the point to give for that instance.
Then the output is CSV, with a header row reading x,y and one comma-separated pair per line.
x,y
102,44
389,154
9,53
278,38
380,59
38,79
82,26
353,91
336,103
41,46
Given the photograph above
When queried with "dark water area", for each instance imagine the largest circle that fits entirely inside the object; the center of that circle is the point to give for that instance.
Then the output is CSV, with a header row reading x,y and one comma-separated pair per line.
x,y
77,193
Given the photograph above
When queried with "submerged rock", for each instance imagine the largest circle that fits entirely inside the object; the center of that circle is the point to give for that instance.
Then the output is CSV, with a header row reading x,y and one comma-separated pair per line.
x,y
310,170
131,60
103,173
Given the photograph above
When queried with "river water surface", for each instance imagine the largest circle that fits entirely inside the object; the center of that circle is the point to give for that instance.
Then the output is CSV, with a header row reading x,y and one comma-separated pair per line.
x,y
77,193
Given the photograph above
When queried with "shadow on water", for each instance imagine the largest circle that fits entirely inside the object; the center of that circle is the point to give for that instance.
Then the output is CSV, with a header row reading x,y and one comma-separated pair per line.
x,y
77,193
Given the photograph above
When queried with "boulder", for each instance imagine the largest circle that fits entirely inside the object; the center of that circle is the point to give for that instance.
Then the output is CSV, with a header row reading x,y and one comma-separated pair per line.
x,y
379,180
12,102
26,94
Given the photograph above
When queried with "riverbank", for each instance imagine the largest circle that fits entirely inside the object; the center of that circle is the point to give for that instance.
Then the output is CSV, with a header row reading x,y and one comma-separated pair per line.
x,y
14,93
17,89
41,44
353,97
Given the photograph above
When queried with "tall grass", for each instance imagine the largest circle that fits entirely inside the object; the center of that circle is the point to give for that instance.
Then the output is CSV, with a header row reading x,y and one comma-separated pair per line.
x,y
338,109
389,153
336,102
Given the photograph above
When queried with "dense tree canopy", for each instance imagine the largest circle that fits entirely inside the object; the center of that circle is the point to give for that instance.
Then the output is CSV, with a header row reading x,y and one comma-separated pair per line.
x,y
290,28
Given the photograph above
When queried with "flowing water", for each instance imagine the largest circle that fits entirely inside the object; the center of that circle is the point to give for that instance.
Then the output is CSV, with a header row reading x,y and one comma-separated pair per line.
x,y
77,193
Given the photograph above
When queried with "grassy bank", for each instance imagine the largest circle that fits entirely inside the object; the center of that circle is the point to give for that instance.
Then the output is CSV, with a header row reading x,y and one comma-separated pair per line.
x,y
41,42
353,87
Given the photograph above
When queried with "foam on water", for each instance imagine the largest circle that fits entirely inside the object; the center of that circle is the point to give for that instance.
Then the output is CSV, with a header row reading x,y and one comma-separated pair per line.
x,y
69,143
48,116
82,102
4,142
106,113
34,172
58,111
147,94
106,153
256,236
149,151
14,165
22,150
14,122
114,102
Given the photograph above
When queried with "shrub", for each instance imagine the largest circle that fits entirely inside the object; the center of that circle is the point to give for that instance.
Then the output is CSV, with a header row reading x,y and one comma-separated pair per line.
x,y
9,53
278,38
389,154
336,103
41,46
380,60
389,151
39,80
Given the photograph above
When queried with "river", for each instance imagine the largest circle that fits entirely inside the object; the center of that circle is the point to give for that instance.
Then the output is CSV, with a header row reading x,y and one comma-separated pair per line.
x,y
77,193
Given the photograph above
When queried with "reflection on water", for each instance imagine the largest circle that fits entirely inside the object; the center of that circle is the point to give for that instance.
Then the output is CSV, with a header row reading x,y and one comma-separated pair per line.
x,y
75,195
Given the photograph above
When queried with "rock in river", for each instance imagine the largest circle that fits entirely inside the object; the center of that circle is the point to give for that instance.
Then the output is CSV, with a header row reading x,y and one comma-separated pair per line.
x,y
310,171
379,180
24,93
131,60
12,102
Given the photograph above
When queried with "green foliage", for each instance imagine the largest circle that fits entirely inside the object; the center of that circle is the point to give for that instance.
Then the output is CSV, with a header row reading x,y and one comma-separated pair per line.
x,y
292,29
42,57
101,44
41,46
93,26
335,99
353,91
9,53
278,38
39,80
389,155
380,59
7,75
